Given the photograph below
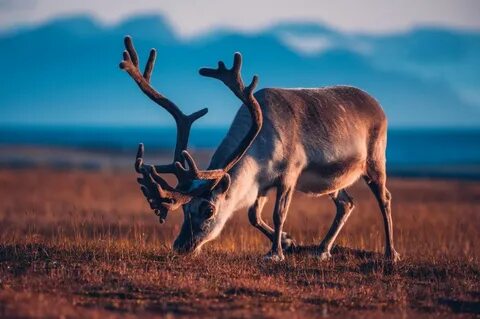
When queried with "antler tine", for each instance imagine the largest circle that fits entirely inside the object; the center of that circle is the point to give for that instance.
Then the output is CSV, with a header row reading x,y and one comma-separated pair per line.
x,y
131,50
147,74
185,175
233,80
139,159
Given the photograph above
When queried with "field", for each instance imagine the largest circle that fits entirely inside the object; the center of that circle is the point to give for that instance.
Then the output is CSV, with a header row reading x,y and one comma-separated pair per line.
x,y
84,244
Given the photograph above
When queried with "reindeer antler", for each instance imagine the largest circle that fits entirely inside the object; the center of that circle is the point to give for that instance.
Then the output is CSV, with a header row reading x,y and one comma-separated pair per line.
x,y
161,196
233,79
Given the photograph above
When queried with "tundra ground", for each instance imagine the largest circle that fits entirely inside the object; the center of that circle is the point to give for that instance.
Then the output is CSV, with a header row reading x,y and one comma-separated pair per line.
x,y
84,244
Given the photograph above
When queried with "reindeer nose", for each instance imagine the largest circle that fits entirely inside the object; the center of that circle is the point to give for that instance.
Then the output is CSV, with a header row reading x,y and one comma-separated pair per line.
x,y
183,245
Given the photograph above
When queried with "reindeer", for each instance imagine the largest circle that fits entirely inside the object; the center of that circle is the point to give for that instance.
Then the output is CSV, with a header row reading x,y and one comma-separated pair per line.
x,y
318,141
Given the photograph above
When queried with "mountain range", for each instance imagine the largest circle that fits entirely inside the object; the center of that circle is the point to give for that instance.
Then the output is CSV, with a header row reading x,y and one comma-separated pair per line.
x,y
65,72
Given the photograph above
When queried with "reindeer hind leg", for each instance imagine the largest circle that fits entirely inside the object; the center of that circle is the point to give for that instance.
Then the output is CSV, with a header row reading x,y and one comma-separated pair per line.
x,y
344,204
376,180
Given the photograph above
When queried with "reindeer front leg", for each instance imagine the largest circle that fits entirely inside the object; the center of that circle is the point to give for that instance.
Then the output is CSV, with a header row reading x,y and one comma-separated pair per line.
x,y
284,197
255,218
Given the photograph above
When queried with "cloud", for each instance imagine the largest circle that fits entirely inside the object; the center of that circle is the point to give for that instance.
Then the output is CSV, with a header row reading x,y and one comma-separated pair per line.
x,y
193,17
308,45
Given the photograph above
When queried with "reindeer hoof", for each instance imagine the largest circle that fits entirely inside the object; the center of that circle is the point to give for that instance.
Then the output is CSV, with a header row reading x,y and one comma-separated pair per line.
x,y
392,256
324,255
274,257
288,244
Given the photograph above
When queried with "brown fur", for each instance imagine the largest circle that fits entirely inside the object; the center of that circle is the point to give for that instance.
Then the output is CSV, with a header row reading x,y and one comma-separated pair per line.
x,y
318,141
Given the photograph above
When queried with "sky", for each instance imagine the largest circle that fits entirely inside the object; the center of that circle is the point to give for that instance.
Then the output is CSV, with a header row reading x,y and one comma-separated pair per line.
x,y
193,17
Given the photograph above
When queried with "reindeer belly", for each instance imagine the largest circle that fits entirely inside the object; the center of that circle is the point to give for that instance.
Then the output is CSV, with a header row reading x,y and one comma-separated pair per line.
x,y
325,178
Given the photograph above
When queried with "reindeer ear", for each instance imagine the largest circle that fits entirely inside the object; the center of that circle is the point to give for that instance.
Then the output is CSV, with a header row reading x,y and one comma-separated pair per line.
x,y
224,184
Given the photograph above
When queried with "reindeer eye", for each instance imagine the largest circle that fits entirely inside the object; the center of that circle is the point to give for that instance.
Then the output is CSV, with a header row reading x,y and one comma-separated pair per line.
x,y
207,209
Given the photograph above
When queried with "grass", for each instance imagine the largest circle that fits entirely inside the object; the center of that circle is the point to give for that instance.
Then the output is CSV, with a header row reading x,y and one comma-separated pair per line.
x,y
84,244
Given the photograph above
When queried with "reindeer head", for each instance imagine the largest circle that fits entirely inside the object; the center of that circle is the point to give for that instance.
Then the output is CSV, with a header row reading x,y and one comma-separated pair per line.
x,y
201,193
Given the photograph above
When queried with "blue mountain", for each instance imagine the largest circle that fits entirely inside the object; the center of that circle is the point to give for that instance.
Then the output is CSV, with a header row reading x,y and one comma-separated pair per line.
x,y
66,72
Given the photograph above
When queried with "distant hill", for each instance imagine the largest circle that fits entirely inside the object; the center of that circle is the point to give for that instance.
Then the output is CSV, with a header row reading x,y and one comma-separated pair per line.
x,y
66,72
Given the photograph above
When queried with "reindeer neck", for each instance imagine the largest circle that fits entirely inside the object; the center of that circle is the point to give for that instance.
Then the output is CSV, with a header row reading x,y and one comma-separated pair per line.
x,y
244,185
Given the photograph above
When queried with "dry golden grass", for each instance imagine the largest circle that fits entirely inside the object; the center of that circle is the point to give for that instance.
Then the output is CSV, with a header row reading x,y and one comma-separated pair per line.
x,y
84,244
